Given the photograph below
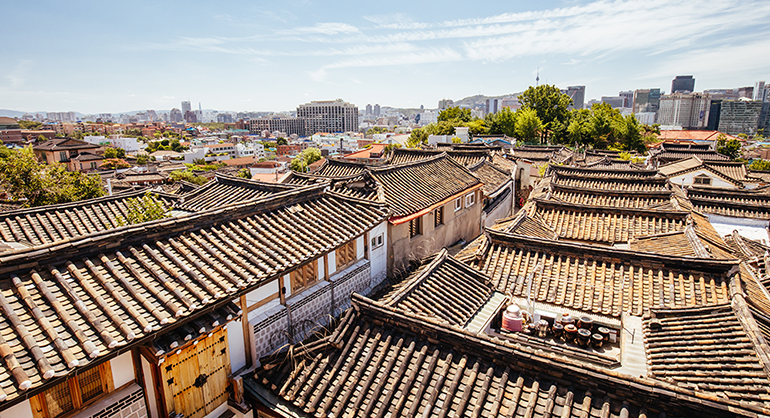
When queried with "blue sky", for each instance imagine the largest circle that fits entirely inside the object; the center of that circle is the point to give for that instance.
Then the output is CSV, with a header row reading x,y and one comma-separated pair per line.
x,y
229,55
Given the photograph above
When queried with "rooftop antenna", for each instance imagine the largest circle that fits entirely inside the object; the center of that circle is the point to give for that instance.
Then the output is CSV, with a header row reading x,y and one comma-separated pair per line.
x,y
537,79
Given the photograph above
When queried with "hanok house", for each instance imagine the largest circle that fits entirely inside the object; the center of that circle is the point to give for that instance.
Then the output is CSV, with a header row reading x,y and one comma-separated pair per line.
x,y
744,210
433,345
699,172
158,319
666,153
435,202
497,191
67,151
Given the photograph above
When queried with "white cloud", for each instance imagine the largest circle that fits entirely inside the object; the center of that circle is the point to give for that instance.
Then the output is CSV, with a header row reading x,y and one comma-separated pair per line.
x,y
17,76
329,28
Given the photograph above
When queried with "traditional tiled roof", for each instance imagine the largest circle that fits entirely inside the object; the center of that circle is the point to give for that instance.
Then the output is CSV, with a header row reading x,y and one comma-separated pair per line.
x,y
691,135
55,223
607,198
224,190
443,288
605,182
686,243
379,363
706,348
501,161
466,157
605,173
63,144
67,304
730,171
668,152
542,154
493,177
730,202
340,168
413,187
605,224
524,224
601,280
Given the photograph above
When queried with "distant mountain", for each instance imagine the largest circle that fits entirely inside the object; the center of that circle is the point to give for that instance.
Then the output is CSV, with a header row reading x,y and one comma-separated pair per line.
x,y
481,100
11,113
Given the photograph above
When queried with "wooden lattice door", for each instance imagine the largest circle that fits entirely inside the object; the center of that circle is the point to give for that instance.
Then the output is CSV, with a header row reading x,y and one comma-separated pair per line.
x,y
195,379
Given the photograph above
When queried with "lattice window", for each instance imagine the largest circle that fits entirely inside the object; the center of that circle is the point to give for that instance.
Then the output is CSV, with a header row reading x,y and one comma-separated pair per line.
x,y
304,276
346,255
705,180
415,227
438,217
90,383
59,400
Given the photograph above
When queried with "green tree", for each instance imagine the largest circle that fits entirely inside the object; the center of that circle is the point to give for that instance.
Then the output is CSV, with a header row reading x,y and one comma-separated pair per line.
x,y
281,141
528,125
455,114
37,184
142,159
305,158
477,127
114,164
376,130
502,122
762,165
41,138
579,128
244,173
29,125
551,107
391,147
143,209
416,138
730,148
187,176
110,153
630,135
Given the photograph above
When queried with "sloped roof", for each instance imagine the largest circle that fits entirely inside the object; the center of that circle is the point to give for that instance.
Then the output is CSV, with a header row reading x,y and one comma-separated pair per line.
x,y
467,157
493,177
601,280
608,182
379,362
63,144
742,203
333,167
55,223
142,280
443,288
604,172
729,171
688,135
224,190
413,187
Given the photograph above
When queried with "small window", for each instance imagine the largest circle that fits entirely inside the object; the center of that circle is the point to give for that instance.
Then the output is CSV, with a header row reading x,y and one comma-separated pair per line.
x,y
458,204
63,156
304,276
438,217
705,180
346,255
93,165
470,199
415,227
377,241
74,393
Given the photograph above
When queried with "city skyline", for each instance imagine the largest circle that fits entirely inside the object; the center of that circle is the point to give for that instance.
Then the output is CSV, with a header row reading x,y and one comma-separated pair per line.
x,y
265,58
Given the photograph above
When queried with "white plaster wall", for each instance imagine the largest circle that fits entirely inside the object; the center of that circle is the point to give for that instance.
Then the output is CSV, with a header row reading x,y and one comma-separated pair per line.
x,y
122,369
22,410
320,268
332,258
379,255
261,293
237,345
360,247
716,181
287,285
149,387
750,228
218,411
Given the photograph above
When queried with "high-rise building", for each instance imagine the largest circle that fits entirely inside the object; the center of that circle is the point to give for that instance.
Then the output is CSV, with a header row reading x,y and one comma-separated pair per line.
x,y
578,96
493,106
377,110
646,100
175,115
744,117
628,98
759,91
281,123
329,116
614,101
186,107
688,110
368,110
445,104
683,84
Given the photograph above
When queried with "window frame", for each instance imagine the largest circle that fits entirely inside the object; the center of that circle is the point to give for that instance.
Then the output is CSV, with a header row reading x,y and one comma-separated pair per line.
x,y
415,227
438,217
298,279
345,255
702,179
378,241
39,404
458,204
470,197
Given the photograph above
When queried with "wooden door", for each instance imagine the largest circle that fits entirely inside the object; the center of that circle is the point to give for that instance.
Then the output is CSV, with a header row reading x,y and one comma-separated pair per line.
x,y
195,379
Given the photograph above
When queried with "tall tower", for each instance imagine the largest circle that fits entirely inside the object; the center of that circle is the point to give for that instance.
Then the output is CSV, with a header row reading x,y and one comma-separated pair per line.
x,y
186,106
537,79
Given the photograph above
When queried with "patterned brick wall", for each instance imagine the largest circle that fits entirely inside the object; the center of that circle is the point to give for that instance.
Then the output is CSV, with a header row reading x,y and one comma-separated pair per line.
x,y
308,310
129,406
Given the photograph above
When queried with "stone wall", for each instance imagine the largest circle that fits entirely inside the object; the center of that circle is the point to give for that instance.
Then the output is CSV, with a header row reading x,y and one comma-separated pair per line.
x,y
308,310
124,403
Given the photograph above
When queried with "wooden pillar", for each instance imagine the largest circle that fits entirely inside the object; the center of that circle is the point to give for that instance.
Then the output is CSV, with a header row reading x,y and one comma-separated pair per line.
x,y
367,246
326,266
246,330
281,291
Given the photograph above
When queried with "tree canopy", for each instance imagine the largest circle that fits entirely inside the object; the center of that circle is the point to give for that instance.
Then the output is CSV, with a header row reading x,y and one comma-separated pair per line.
x,y
111,152
305,158
528,125
281,141
38,184
143,209
551,107
455,114
730,148
763,165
